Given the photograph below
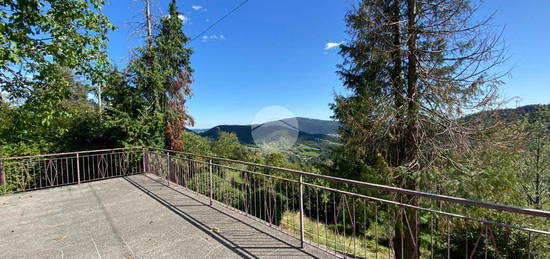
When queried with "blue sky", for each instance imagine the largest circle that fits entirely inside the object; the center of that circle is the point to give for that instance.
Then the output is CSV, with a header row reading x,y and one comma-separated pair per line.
x,y
274,53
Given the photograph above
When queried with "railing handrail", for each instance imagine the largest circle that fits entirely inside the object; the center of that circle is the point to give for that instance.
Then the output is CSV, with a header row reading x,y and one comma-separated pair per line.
x,y
69,153
488,205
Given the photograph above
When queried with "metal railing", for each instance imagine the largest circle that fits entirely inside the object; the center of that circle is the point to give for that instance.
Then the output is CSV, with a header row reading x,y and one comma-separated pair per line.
x,y
27,173
356,219
344,217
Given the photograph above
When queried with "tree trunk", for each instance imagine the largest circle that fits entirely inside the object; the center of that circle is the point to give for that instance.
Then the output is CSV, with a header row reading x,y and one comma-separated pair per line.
x,y
148,23
406,238
406,234
397,81
410,146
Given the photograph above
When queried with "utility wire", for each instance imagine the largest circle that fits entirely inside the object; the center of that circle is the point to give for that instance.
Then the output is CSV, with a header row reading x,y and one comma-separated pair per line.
x,y
220,19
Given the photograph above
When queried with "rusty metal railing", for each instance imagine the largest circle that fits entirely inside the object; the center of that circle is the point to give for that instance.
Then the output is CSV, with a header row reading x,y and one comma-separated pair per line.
x,y
344,217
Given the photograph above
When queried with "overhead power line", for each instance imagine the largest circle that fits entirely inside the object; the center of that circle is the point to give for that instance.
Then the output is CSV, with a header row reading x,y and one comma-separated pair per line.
x,y
220,20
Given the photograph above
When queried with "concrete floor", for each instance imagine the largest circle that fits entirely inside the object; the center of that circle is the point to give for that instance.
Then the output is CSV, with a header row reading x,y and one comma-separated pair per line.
x,y
134,217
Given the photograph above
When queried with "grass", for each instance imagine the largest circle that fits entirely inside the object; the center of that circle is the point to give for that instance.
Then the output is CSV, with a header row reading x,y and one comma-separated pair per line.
x,y
328,237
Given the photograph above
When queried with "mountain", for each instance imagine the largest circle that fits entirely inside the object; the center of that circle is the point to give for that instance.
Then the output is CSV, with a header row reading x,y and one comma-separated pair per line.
x,y
243,132
198,130
316,127
534,112
306,129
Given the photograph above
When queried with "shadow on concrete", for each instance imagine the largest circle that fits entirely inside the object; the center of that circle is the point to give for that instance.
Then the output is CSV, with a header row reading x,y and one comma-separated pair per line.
x,y
243,236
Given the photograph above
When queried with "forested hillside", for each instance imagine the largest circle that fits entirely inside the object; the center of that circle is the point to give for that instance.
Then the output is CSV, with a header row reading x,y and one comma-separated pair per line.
x,y
309,129
529,113
315,138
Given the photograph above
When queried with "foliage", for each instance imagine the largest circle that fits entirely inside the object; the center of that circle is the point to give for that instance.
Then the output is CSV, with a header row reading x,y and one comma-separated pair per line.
x,y
42,121
124,111
196,144
176,71
331,236
413,69
409,82
38,37
534,166
147,102
47,49
144,74
227,146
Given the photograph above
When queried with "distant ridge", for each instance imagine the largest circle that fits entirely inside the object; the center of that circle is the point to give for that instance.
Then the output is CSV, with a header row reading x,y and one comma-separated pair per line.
x,y
315,129
532,112
309,130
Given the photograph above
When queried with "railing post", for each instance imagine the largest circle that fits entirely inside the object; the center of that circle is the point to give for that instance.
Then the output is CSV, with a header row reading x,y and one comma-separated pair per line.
x,y
301,212
2,175
211,183
144,155
78,168
168,167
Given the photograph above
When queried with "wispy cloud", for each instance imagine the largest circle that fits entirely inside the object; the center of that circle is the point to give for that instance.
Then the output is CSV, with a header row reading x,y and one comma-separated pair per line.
x,y
206,38
184,18
331,45
198,8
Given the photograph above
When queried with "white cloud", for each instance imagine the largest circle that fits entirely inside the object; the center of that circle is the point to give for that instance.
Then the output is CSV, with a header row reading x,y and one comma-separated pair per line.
x,y
199,8
206,38
331,45
184,18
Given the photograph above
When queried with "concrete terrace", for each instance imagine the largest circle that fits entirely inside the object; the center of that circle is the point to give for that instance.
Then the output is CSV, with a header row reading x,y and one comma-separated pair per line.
x,y
133,217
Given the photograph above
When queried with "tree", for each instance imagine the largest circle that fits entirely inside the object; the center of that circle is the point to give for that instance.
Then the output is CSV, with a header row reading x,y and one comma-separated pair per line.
x,y
41,122
144,74
46,47
148,100
196,144
128,105
5,122
413,69
534,170
38,37
227,146
148,22
176,72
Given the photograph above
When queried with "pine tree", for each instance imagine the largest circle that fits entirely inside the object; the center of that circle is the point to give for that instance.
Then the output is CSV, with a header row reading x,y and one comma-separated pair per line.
x,y
534,167
125,109
148,102
145,75
174,60
414,69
